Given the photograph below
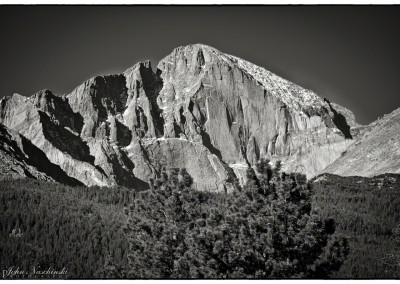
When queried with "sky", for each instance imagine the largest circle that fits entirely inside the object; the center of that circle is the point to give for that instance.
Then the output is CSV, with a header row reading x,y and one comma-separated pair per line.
x,y
348,54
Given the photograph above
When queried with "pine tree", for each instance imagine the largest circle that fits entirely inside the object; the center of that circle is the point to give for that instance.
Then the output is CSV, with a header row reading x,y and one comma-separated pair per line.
x,y
391,261
266,229
109,270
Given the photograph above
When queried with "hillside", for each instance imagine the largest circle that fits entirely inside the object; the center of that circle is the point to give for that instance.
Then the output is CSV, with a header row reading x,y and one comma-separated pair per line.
x,y
14,162
376,152
366,211
45,223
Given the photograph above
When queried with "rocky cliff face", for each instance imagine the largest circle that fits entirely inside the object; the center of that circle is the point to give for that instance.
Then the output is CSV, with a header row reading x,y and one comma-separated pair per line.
x,y
14,162
210,112
242,112
21,159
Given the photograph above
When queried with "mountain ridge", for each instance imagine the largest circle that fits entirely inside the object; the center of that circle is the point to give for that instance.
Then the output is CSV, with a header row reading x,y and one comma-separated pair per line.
x,y
377,151
212,113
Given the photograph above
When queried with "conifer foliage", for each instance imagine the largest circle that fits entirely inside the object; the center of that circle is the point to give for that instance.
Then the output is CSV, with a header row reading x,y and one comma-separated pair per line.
x,y
49,225
267,229
391,261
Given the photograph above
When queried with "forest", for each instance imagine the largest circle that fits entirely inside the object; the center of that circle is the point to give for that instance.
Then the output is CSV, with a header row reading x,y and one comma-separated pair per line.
x,y
47,224
367,212
278,225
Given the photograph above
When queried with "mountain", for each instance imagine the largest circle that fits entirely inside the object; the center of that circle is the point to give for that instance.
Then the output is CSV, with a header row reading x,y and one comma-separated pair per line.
x,y
20,159
209,112
376,152
15,163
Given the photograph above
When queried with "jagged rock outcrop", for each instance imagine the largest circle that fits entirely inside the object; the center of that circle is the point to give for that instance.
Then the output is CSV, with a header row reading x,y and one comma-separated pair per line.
x,y
20,159
14,162
89,133
208,169
212,113
376,152
48,122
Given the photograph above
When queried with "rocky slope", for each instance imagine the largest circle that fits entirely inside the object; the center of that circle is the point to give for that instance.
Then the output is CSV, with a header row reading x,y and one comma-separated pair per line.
x,y
212,113
20,159
376,152
14,162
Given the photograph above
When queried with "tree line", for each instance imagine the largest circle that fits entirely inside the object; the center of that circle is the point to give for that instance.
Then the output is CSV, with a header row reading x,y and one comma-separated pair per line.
x,y
278,225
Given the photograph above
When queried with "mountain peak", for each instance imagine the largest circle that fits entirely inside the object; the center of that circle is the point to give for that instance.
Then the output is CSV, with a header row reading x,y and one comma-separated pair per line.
x,y
142,64
292,95
197,46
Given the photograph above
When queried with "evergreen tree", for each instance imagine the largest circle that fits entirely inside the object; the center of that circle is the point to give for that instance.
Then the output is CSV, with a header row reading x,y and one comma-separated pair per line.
x,y
266,229
391,261
109,269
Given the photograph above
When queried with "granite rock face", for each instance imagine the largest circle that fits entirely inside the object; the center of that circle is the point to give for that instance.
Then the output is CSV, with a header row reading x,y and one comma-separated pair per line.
x,y
14,162
21,159
109,131
242,112
212,113
48,122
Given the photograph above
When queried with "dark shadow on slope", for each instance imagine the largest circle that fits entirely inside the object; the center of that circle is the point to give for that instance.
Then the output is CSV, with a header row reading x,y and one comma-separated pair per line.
x,y
36,158
124,135
60,109
109,95
141,127
39,160
126,177
5,138
65,141
152,85
139,184
340,121
177,129
207,142
182,116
